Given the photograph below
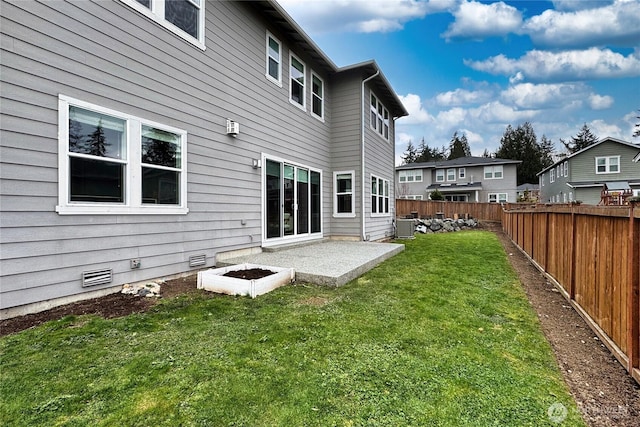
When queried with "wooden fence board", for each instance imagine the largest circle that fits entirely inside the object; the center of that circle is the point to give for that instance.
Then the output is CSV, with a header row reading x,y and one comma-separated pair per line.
x,y
593,254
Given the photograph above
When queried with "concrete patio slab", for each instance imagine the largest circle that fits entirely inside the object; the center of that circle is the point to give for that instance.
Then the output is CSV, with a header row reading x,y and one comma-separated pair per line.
x,y
330,262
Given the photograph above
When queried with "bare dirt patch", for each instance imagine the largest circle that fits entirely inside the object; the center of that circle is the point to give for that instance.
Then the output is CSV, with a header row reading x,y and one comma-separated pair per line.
x,y
606,395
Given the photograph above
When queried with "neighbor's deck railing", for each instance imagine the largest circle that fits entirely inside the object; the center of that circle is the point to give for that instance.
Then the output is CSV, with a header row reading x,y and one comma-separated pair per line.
x,y
593,254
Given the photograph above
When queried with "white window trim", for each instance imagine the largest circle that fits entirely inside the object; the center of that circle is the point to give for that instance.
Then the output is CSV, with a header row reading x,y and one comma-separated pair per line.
x,y
351,214
454,174
324,90
493,170
566,169
462,173
552,176
304,86
277,81
506,197
374,125
413,173
133,186
156,14
380,214
438,176
607,165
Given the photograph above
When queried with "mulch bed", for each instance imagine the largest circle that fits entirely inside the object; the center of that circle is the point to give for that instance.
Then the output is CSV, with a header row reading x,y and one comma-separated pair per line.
x,y
606,395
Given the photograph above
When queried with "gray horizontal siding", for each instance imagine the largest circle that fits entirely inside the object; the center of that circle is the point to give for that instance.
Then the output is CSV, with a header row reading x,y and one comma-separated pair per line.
x,y
109,55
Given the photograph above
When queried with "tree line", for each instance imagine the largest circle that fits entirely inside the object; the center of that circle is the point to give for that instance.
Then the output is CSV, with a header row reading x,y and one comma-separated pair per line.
x,y
518,143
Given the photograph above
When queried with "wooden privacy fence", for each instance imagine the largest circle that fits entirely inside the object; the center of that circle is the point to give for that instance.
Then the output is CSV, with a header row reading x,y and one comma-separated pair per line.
x,y
430,208
593,254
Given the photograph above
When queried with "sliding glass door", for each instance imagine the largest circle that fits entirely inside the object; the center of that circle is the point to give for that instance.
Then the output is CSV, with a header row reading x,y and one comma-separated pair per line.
x,y
293,204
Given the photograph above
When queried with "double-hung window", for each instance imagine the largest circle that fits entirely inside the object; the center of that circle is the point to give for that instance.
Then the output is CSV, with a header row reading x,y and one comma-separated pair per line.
x,y
273,60
566,169
462,173
379,196
343,200
317,96
497,197
183,17
115,163
493,172
410,175
439,175
552,175
297,86
610,164
451,174
379,117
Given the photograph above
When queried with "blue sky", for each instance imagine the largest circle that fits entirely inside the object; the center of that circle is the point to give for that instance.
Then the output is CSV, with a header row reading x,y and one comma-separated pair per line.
x,y
477,66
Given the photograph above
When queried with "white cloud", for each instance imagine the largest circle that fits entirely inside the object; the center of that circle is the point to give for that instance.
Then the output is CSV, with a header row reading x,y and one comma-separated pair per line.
x,y
461,97
478,20
598,102
365,16
603,129
615,23
417,113
573,65
497,112
537,96
578,5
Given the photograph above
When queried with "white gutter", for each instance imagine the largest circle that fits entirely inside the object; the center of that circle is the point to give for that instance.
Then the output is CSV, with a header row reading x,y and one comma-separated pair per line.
x,y
362,204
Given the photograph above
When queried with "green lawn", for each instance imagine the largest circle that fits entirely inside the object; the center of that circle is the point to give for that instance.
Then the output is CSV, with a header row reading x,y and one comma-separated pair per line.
x,y
439,335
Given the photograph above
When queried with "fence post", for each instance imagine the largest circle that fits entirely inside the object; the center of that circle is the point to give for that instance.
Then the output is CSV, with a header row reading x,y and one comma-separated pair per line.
x,y
633,303
572,269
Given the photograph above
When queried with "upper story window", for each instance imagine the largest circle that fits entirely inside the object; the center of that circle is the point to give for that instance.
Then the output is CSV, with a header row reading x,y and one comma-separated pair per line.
x,y
410,175
552,175
297,87
451,174
274,59
343,200
462,173
183,17
379,117
542,180
610,164
114,163
379,196
493,172
566,169
317,96
439,175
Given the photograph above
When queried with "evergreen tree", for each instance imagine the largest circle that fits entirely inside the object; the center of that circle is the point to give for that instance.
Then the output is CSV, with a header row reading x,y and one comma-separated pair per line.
x,y
583,139
410,155
97,141
546,151
459,147
636,131
521,144
486,153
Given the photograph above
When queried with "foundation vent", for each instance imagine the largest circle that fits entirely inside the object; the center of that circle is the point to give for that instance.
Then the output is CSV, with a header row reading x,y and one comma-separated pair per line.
x,y
197,260
96,277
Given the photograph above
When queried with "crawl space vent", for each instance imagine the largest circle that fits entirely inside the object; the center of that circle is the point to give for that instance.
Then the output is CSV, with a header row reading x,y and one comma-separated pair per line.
x,y
96,277
197,260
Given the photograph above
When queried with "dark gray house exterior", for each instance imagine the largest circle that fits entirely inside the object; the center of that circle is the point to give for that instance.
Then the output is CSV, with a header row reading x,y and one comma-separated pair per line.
x,y
583,174
466,179
175,133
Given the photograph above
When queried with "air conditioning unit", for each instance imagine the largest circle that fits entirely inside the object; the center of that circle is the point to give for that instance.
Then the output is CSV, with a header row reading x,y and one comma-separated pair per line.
x,y
233,128
405,228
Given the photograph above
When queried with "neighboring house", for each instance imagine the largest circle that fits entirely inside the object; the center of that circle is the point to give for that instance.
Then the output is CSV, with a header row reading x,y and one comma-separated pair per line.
x,y
528,192
172,133
466,179
582,175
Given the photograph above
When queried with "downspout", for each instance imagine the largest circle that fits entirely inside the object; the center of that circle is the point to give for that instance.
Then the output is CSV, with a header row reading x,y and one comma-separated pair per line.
x,y
362,203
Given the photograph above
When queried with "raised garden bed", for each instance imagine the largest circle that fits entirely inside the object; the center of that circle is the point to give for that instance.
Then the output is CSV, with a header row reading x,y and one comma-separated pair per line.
x,y
245,279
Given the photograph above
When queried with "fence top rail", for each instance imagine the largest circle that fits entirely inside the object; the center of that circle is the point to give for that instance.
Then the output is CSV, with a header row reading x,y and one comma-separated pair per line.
x,y
611,211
